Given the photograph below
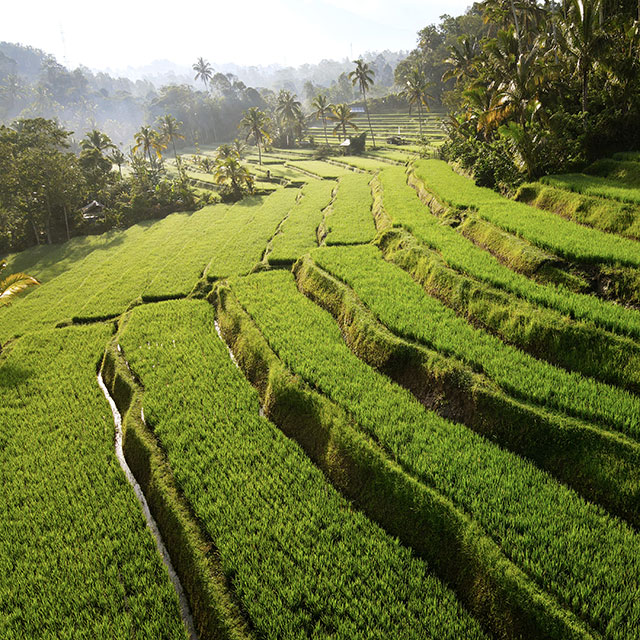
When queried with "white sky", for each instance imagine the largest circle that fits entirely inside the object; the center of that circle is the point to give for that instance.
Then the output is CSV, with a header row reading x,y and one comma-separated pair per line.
x,y
118,33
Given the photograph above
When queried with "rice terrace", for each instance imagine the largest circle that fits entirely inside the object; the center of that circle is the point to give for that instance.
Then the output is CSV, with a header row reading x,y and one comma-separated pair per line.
x,y
347,350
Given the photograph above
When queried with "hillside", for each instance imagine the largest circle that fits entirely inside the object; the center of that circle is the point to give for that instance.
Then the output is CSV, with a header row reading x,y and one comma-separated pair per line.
x,y
374,401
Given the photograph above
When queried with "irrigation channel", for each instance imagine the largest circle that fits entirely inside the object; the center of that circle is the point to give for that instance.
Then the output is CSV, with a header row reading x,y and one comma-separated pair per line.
x,y
185,612
232,356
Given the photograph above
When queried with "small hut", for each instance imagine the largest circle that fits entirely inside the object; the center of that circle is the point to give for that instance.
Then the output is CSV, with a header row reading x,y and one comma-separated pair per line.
x,y
93,211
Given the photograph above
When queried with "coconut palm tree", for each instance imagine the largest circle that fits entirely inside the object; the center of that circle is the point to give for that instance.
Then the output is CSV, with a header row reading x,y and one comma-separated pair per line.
x,y
289,111
233,176
149,140
14,284
255,123
239,147
322,108
342,115
584,39
204,72
170,131
97,141
362,75
118,158
415,91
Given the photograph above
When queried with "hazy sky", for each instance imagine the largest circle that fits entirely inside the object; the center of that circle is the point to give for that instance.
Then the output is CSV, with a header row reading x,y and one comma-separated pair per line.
x,y
116,34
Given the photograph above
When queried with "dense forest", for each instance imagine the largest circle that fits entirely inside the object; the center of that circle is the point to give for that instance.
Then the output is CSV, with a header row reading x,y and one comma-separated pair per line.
x,y
534,88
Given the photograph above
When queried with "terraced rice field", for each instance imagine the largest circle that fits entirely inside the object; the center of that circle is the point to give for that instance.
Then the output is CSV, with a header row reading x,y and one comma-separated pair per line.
x,y
376,403
386,125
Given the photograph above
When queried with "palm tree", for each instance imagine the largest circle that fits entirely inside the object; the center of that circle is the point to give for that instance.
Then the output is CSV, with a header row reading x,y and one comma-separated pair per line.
x,y
322,108
92,158
239,147
415,91
584,38
255,123
170,131
97,141
14,284
289,111
149,140
204,71
362,75
225,151
118,158
342,114
462,58
233,176
519,78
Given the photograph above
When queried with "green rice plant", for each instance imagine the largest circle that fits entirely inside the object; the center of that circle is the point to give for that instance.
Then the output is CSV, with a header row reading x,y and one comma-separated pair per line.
x,y
280,171
361,162
298,232
600,465
626,171
46,261
395,156
402,305
512,251
586,559
634,156
544,333
349,220
406,210
241,244
301,561
154,261
539,227
76,557
319,169
594,185
505,600
593,211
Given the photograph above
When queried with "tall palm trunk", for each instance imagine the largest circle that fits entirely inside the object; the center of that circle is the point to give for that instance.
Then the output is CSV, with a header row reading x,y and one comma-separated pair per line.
x,y
515,22
366,108
324,122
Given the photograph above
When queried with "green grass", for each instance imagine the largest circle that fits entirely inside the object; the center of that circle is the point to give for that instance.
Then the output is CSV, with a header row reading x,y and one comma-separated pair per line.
x,y
601,213
406,210
625,171
320,169
349,220
587,559
361,162
634,156
602,466
593,185
301,561
539,227
152,261
401,303
298,232
76,557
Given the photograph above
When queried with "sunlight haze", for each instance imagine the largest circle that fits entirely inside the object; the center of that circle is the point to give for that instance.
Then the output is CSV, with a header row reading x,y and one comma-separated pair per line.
x,y
287,32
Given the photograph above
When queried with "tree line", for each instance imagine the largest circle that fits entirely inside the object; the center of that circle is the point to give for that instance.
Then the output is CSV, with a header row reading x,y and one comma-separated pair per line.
x,y
534,88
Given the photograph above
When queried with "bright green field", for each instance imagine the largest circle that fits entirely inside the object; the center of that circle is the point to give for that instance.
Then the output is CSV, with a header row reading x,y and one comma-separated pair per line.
x,y
322,492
